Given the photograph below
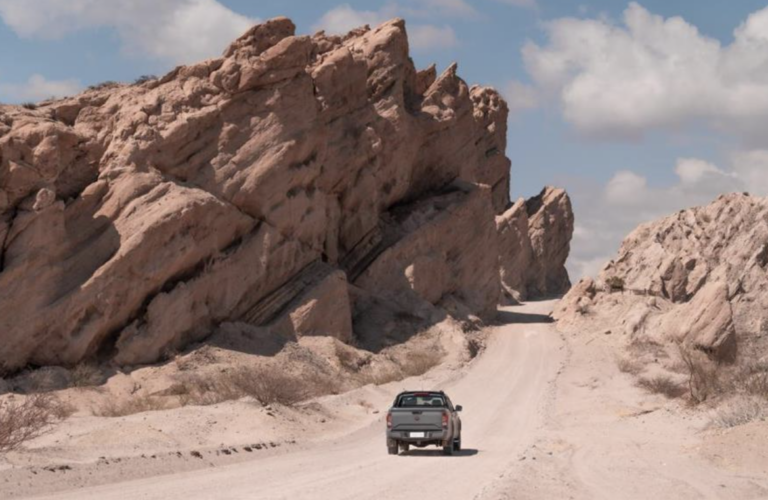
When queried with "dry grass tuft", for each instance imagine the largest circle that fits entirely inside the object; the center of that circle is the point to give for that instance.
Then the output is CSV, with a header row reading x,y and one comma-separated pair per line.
x,y
21,421
382,376
135,404
266,385
350,359
629,365
420,362
475,347
662,384
752,378
703,377
415,363
86,375
740,411
643,346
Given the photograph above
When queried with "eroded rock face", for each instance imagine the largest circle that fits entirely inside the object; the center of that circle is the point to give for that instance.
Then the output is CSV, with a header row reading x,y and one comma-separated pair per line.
x,y
535,236
700,275
249,189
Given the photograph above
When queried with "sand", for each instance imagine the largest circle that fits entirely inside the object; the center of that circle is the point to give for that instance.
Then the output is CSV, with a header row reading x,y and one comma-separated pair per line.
x,y
547,415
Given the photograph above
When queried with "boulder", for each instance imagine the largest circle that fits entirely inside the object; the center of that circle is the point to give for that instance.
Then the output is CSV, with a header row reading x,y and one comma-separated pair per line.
x,y
323,310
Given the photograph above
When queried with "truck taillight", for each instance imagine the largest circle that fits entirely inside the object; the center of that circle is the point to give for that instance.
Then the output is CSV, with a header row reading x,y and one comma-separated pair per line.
x,y
445,419
389,420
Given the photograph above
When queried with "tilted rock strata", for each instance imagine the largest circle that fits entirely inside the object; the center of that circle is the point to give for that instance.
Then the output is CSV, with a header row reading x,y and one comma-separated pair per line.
x,y
699,276
536,237
135,219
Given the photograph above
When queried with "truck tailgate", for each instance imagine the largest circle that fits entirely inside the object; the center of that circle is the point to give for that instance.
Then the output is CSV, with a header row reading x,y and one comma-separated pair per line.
x,y
417,419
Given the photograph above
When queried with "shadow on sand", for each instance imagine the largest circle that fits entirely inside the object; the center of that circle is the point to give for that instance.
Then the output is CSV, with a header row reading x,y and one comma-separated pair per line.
x,y
467,452
508,317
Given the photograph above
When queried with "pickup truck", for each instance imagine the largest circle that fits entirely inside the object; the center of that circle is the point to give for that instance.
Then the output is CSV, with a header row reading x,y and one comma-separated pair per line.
x,y
423,418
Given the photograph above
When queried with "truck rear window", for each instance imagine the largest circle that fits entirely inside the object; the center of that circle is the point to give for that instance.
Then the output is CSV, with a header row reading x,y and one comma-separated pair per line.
x,y
421,400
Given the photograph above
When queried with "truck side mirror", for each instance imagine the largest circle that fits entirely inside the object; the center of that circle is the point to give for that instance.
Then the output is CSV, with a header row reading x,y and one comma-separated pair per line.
x,y
459,407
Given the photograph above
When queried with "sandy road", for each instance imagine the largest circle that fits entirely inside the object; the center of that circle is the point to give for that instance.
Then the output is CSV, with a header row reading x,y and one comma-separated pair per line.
x,y
503,392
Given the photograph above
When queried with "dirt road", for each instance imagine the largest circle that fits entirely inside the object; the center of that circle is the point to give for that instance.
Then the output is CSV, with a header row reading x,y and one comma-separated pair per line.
x,y
503,393
546,416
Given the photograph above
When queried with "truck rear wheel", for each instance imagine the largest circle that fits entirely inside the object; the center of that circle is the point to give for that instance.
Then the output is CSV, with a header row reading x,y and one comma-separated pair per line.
x,y
457,444
448,450
392,449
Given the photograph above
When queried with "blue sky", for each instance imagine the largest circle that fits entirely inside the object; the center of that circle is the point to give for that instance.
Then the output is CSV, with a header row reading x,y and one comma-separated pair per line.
x,y
638,109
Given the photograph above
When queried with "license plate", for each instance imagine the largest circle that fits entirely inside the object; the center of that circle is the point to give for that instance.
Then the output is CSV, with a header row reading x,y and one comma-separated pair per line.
x,y
417,434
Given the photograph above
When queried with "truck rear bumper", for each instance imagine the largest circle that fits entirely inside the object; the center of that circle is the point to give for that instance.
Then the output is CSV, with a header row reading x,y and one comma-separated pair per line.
x,y
417,436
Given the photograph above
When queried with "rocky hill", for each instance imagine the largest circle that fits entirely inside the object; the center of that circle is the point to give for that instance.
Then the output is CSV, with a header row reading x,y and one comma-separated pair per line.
x,y
698,277
312,185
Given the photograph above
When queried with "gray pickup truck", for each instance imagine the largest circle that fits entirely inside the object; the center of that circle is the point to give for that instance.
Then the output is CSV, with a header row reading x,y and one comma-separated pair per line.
x,y
423,418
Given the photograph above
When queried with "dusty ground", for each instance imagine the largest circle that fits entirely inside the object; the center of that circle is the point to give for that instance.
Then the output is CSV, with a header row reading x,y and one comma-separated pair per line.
x,y
546,415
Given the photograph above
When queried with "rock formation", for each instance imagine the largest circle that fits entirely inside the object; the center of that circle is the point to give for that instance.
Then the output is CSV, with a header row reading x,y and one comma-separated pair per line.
x,y
134,219
536,238
697,277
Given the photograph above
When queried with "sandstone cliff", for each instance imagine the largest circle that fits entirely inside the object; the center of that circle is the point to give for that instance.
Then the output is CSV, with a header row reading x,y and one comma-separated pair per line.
x,y
536,239
697,277
283,184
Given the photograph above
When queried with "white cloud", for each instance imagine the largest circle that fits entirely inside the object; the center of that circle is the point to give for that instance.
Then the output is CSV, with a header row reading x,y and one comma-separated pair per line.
x,y
649,72
426,37
752,168
179,31
38,88
343,18
626,188
520,96
692,171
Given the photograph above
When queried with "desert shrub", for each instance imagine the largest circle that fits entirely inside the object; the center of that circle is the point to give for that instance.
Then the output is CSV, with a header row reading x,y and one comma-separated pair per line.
x,y
471,326
628,365
28,418
350,359
267,385
115,407
40,380
144,79
752,379
757,385
347,359
643,345
271,386
86,375
382,375
103,85
29,105
420,362
703,378
740,411
662,384
474,347
415,363
615,283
